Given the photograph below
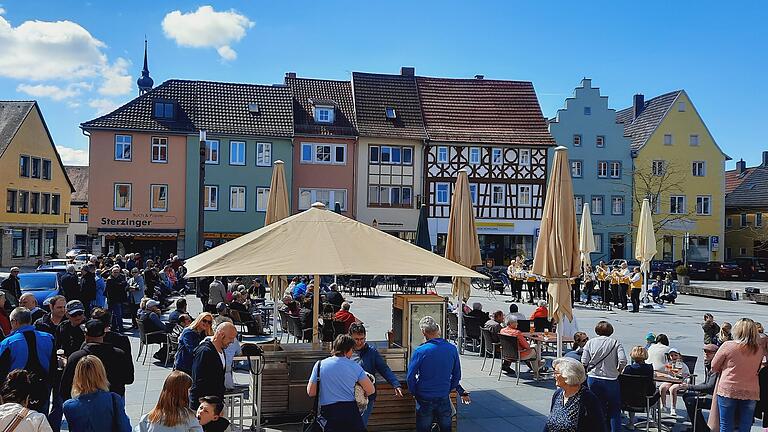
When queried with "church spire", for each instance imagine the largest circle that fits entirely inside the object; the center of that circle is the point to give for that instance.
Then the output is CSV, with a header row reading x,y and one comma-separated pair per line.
x,y
145,83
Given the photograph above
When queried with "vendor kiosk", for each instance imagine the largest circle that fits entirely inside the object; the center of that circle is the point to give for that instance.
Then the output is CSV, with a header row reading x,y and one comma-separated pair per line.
x,y
408,310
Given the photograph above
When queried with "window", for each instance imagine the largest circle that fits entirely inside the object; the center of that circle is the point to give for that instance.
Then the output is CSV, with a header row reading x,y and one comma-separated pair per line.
x,y
45,203
524,157
23,201
237,152
617,205
473,192
324,114
395,196
693,140
615,169
17,243
577,140
262,197
34,242
677,204
333,154
655,203
159,150
667,139
24,166
158,197
703,205
373,154
396,157
56,207
474,155
123,147
50,242
212,152
602,169
587,110
524,195
597,205
263,154
598,243
373,195
164,110
681,106
34,202
442,193
10,201
728,221
406,196
46,169
699,168
744,221
237,198
496,156
329,197
600,141
122,196
211,199
578,201
83,213
386,154
36,167
390,112
728,253
576,168
497,195
442,155
742,251
407,155
758,219
657,168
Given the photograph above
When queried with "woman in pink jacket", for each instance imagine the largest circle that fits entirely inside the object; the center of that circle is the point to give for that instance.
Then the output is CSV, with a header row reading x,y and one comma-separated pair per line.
x,y
738,362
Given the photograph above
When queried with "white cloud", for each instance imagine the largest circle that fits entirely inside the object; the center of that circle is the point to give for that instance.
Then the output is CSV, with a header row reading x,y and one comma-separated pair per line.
x,y
206,28
103,106
54,92
73,156
116,79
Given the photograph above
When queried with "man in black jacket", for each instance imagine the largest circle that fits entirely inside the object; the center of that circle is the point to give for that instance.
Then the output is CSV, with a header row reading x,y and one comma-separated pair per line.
x,y
50,321
118,364
70,285
208,365
151,279
88,287
69,336
11,284
699,396
110,337
117,294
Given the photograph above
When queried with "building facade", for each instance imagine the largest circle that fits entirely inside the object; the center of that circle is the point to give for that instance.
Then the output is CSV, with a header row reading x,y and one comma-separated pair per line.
x,y
325,144
746,210
601,168
494,129
681,169
77,231
37,189
390,149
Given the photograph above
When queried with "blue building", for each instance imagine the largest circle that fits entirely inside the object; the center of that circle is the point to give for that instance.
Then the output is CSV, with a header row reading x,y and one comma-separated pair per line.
x,y
601,167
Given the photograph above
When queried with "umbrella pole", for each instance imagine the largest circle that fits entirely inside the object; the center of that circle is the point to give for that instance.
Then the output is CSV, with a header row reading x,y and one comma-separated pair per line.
x,y
559,335
274,320
316,312
459,331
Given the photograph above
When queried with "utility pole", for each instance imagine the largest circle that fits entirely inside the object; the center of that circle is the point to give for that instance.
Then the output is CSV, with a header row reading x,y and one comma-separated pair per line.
x,y
201,204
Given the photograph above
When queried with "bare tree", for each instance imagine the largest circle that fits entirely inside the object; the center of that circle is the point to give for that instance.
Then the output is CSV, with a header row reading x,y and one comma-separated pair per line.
x,y
661,179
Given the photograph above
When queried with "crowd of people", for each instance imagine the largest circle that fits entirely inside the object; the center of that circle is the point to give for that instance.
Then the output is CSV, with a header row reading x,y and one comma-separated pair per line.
x,y
298,302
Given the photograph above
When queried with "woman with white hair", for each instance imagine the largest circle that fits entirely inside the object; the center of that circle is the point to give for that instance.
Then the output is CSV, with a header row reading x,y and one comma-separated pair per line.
x,y
574,407
541,311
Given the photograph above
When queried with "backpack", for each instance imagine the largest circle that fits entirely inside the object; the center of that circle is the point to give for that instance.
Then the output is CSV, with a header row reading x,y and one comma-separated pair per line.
x,y
40,379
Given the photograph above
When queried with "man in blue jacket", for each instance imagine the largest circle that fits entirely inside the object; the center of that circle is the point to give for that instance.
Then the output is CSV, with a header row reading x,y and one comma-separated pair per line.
x,y
368,357
433,372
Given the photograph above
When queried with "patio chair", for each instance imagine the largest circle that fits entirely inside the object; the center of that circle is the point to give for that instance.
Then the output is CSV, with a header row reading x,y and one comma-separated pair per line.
x,y
637,396
690,361
510,353
326,332
283,324
489,348
243,322
148,339
453,327
294,328
172,346
472,328
539,324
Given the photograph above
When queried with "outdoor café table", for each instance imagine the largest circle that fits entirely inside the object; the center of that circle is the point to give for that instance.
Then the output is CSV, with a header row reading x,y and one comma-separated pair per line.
x,y
662,377
541,338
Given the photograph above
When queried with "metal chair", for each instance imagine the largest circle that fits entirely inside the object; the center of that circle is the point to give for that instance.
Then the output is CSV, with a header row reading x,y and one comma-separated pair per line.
x,y
453,327
489,347
510,353
172,344
147,339
283,324
637,392
690,361
472,328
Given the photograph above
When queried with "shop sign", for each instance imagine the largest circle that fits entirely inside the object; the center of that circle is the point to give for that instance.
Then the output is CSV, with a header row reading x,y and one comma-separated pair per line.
x,y
138,220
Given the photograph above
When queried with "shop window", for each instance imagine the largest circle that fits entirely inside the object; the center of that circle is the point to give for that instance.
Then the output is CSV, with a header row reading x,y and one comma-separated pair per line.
x,y
50,242
17,243
34,242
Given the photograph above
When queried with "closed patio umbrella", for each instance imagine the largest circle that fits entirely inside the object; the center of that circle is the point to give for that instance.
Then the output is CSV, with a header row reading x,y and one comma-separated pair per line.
x,y
586,236
278,208
461,244
557,256
422,229
645,244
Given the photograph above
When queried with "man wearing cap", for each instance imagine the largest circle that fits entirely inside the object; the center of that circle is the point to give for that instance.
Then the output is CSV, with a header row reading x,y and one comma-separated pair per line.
x,y
117,363
699,396
29,301
150,316
70,285
69,335
117,294
11,284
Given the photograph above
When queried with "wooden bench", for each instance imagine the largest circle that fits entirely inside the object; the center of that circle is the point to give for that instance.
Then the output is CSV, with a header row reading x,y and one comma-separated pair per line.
x,y
720,293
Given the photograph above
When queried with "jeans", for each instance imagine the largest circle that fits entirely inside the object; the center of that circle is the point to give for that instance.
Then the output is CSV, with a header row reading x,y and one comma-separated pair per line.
x,y
735,413
430,411
609,394
117,317
367,413
694,407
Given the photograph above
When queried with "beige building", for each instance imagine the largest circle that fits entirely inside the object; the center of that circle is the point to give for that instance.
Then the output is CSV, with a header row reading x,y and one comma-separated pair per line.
x,y
77,232
746,207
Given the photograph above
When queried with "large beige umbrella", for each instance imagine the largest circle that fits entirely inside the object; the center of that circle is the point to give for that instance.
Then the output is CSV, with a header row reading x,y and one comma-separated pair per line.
x,y
557,257
645,244
586,236
278,208
461,245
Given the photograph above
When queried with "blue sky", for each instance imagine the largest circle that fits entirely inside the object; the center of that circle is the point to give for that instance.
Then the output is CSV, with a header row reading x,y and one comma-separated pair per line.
x,y
94,51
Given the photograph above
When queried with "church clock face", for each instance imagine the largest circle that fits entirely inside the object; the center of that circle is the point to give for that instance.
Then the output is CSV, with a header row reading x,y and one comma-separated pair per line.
x,y
419,311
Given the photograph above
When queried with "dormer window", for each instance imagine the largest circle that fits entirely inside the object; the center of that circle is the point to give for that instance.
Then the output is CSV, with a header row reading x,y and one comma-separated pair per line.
x,y
324,114
391,113
164,110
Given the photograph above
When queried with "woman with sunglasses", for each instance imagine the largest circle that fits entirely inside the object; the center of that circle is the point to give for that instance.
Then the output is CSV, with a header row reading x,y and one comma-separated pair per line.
x,y
190,338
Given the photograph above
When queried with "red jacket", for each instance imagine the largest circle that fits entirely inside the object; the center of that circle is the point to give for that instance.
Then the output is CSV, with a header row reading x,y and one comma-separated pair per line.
x,y
540,312
346,317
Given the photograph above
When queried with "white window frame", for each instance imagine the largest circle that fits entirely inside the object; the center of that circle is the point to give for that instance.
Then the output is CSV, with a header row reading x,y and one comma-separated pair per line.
x,y
263,154
502,191
668,139
232,145
473,193
693,140
442,154
658,167
680,205
447,199
331,197
320,112
600,141
159,143
743,220
474,155
236,192
699,168
212,193
114,197
577,168
595,209
497,156
598,242
758,219
209,151
614,169
577,140
123,144
578,201
524,195
700,207
614,210
262,198
602,173
332,154
152,189
524,157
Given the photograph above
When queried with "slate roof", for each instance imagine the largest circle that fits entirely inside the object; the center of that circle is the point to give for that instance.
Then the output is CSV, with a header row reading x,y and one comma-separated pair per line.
x,y
310,92
749,189
218,107
373,93
481,110
641,128
12,115
78,175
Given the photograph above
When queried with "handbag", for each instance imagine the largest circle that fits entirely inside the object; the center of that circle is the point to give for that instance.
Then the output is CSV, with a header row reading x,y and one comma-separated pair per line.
x,y
17,419
312,422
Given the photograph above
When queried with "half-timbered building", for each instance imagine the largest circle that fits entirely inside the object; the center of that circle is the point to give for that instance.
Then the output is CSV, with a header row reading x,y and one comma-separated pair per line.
x,y
496,131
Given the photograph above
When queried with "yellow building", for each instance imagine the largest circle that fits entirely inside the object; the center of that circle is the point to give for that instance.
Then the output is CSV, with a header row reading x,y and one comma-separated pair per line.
x,y
681,169
37,195
746,210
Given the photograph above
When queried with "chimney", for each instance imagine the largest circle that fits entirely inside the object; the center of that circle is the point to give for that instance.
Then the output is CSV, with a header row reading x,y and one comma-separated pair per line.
x,y
638,104
741,166
479,77
765,159
407,71
290,74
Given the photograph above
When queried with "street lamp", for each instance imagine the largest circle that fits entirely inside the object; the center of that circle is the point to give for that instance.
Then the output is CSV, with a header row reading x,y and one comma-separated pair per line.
x,y
201,207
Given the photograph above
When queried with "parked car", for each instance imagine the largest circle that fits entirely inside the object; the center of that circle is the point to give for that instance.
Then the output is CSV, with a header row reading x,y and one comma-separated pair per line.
x,y
753,268
659,267
72,253
55,265
730,270
80,260
631,263
43,285
703,269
